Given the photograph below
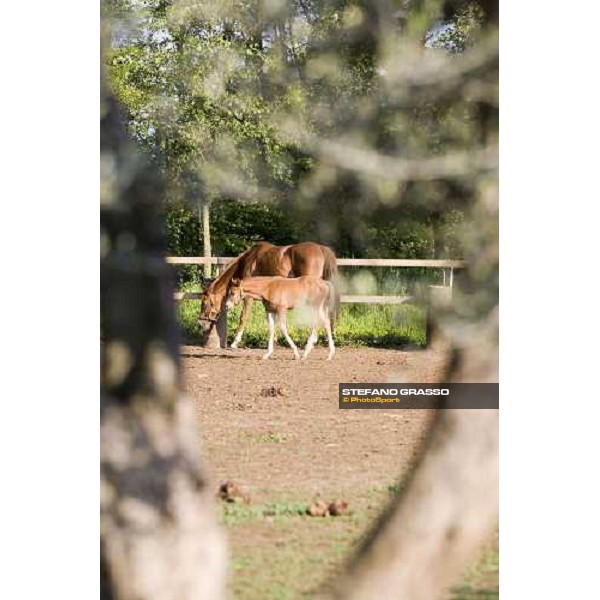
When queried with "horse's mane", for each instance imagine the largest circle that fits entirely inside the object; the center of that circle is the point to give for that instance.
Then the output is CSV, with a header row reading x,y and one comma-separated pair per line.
x,y
225,276
239,268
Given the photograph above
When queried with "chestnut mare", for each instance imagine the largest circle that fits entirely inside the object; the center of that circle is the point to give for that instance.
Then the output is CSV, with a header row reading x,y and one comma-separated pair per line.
x,y
279,294
306,258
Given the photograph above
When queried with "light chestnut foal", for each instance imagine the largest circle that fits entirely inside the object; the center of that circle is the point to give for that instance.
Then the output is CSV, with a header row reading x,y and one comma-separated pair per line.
x,y
279,294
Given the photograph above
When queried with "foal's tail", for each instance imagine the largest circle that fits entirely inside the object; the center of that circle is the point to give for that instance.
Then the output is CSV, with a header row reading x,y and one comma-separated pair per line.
x,y
330,275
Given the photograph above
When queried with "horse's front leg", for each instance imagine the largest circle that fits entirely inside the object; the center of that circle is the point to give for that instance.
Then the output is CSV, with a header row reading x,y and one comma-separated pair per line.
x,y
246,310
283,324
271,321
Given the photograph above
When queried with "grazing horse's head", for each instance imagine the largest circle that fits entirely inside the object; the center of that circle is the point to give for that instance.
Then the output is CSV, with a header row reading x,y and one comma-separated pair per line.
x,y
234,293
212,303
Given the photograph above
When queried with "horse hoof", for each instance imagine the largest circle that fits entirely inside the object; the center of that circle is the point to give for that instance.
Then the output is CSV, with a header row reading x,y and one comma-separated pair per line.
x,y
266,356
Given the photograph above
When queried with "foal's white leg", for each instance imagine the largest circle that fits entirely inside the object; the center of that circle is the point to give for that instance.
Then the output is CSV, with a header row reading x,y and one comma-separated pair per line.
x,y
271,320
286,335
327,323
312,338
237,339
246,310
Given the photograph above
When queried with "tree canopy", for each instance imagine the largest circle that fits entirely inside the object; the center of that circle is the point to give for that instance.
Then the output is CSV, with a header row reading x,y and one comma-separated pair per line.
x,y
317,108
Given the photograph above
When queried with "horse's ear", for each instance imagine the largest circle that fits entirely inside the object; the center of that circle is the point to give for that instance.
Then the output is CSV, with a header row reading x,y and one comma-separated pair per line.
x,y
205,281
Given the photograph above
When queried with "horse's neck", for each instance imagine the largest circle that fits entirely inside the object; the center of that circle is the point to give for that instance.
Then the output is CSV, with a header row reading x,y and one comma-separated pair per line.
x,y
220,284
256,287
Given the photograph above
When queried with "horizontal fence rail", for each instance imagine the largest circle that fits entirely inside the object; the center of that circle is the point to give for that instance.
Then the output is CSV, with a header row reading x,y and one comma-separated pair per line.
x,y
341,262
347,299
446,264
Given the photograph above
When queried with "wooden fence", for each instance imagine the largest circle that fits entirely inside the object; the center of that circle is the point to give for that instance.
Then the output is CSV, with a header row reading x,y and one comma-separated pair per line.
x,y
448,267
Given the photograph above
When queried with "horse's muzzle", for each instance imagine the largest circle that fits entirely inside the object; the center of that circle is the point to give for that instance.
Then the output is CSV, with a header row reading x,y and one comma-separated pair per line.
x,y
205,324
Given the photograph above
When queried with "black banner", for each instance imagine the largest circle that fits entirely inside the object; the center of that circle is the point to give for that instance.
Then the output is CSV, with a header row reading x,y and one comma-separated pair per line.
x,y
419,395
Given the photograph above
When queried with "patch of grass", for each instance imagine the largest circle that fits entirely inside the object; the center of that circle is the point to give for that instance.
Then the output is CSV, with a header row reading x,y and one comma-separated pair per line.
x,y
480,581
295,561
384,326
391,489
270,437
468,593
292,555
236,514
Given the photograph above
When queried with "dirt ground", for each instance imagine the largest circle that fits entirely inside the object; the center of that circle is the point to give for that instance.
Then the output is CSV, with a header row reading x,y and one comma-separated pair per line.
x,y
315,446
274,427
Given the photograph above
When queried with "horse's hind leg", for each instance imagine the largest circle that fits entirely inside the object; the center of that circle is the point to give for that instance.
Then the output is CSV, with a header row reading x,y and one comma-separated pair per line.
x,y
330,339
283,324
246,310
327,324
271,320
312,338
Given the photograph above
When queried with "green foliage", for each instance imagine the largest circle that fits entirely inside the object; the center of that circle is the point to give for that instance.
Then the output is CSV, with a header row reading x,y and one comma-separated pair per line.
x,y
406,239
191,83
237,225
223,97
460,33
183,227
451,230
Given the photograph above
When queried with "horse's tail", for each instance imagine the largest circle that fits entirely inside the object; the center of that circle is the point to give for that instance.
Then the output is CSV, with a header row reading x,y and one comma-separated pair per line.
x,y
330,274
330,269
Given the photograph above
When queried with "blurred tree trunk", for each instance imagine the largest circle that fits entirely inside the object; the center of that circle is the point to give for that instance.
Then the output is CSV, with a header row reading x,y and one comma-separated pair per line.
x,y
160,538
434,528
437,525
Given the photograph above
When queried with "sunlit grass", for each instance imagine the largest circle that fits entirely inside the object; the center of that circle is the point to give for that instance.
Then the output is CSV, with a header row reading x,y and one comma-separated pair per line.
x,y
236,514
385,326
291,555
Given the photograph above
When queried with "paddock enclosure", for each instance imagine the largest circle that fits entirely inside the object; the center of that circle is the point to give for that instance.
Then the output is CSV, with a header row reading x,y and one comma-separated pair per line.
x,y
387,285
274,429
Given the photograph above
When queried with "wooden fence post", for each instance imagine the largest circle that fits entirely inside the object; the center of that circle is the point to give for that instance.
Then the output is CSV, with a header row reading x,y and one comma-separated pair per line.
x,y
438,296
